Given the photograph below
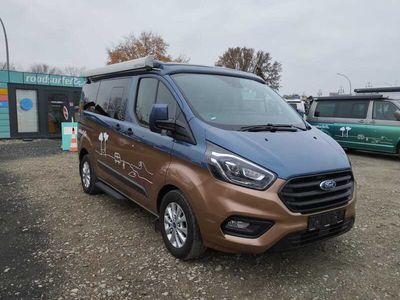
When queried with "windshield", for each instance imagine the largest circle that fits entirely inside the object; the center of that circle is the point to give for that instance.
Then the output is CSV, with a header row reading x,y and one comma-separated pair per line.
x,y
232,102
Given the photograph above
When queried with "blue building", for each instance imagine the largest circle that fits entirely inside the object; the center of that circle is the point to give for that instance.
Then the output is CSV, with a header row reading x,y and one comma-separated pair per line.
x,y
33,105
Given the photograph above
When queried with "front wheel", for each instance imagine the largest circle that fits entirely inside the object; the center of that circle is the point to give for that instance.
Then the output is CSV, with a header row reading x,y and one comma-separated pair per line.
x,y
179,227
88,176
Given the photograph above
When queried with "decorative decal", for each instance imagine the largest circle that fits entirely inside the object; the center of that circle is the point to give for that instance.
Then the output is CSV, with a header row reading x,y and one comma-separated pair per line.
x,y
322,126
135,169
345,131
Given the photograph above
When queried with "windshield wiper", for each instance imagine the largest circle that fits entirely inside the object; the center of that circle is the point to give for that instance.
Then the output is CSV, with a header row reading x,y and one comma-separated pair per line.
x,y
271,127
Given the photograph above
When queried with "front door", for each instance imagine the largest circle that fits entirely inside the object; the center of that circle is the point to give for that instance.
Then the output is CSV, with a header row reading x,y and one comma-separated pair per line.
x,y
384,129
57,112
144,155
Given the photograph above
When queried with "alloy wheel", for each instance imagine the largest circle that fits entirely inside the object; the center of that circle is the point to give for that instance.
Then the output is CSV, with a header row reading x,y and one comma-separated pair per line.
x,y
86,174
175,225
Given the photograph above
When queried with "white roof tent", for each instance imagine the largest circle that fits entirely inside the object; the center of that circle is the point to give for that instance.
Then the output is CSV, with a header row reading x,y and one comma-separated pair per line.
x,y
143,63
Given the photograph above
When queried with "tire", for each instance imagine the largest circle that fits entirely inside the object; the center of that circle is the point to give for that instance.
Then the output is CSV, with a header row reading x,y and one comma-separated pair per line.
x,y
88,176
176,217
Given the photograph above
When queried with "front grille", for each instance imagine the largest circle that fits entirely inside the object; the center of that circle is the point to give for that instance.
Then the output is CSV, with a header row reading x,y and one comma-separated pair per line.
x,y
303,238
304,195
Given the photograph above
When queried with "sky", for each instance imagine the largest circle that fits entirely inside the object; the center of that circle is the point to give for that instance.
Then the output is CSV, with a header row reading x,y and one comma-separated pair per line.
x,y
312,39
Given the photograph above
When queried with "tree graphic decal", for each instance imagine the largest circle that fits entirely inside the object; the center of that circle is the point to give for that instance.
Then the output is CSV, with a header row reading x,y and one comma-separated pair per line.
x,y
103,137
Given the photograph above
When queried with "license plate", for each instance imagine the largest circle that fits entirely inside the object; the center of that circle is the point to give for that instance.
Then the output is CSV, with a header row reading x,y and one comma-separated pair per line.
x,y
325,220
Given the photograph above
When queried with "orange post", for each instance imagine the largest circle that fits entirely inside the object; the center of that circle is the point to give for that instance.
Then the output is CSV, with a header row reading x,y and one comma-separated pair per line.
x,y
74,144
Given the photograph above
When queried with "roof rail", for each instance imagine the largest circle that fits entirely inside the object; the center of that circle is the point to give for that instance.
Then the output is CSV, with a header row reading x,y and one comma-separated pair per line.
x,y
378,89
130,65
352,97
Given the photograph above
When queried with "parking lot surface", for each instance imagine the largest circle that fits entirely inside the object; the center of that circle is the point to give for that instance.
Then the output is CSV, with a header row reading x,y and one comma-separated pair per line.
x,y
59,243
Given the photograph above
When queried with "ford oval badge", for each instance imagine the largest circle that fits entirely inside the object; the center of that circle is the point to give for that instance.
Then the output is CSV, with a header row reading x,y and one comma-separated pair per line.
x,y
327,185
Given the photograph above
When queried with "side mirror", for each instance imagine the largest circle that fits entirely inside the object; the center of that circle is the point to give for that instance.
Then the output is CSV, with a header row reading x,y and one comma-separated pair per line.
x,y
397,114
158,119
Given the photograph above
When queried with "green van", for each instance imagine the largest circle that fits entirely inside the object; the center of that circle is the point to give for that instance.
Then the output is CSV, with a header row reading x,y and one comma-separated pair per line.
x,y
364,122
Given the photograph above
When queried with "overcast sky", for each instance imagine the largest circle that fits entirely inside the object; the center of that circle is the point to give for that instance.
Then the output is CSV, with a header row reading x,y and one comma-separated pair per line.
x,y
313,39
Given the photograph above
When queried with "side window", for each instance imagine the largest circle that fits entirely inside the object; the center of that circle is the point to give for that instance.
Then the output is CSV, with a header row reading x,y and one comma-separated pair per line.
x,y
384,110
164,96
347,109
112,98
88,96
146,97
117,106
103,97
325,109
359,110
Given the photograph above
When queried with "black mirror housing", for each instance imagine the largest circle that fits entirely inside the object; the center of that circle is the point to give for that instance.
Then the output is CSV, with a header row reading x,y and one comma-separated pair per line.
x,y
158,119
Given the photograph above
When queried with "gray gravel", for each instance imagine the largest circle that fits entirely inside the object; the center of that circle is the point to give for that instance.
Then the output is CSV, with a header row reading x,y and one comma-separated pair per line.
x,y
59,243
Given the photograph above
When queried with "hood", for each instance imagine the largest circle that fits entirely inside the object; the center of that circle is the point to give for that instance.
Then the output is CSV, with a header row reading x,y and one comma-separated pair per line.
x,y
287,154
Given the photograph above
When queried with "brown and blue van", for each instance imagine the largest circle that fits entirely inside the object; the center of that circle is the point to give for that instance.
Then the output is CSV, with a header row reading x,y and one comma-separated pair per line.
x,y
220,158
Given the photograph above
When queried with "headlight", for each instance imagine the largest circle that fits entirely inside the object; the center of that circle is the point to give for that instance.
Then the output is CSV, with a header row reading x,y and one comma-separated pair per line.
x,y
229,167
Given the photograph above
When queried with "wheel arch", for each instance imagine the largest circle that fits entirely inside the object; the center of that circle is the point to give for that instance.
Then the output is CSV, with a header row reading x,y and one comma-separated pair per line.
x,y
162,192
82,153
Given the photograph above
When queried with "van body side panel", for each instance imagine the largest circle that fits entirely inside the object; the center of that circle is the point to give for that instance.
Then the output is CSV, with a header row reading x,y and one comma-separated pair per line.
x,y
362,134
371,137
385,136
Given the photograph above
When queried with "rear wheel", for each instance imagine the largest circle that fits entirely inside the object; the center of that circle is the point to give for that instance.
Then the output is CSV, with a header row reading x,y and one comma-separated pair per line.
x,y
179,227
88,176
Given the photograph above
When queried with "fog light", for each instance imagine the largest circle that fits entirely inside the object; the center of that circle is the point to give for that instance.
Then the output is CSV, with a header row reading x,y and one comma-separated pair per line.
x,y
235,224
245,226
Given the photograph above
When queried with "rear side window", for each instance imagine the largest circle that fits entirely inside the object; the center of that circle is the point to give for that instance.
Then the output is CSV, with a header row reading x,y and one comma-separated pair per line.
x,y
349,109
153,91
88,96
117,105
384,110
112,98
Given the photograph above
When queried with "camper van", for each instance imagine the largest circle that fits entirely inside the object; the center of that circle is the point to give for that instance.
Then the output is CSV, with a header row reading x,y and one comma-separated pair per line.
x,y
362,122
218,157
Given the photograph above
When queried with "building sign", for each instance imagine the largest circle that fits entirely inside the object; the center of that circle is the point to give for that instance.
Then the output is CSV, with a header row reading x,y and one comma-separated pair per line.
x,y
57,80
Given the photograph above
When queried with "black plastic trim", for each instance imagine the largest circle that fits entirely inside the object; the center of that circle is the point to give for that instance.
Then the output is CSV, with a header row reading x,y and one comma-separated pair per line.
x,y
265,225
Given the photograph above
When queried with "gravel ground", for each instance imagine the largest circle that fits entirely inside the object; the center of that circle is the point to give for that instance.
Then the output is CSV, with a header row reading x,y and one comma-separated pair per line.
x,y
59,243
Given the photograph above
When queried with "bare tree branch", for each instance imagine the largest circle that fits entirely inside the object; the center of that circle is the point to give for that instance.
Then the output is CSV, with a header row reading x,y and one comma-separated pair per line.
x,y
148,43
248,60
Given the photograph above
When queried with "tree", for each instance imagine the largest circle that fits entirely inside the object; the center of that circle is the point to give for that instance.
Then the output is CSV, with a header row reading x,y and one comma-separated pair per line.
x,y
248,60
73,71
148,43
44,68
3,66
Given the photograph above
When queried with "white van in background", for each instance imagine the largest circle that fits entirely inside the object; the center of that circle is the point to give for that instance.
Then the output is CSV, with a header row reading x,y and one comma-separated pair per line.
x,y
297,103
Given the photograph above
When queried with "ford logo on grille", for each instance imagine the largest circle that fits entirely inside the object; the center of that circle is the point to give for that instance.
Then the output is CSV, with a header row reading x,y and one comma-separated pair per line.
x,y
327,185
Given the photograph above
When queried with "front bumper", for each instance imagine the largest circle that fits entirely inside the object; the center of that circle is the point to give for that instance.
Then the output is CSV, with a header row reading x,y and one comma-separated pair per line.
x,y
290,229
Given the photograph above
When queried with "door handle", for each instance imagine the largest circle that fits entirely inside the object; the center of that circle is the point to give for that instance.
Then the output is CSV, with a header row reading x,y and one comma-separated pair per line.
x,y
361,121
129,131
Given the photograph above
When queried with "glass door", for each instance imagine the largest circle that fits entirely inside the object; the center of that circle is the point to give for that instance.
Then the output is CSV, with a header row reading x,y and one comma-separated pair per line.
x,y
57,112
